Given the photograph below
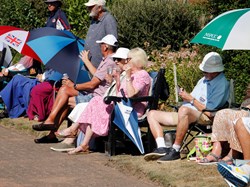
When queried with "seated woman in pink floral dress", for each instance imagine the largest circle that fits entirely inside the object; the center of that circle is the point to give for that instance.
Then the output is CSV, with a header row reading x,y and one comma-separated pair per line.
x,y
223,134
136,83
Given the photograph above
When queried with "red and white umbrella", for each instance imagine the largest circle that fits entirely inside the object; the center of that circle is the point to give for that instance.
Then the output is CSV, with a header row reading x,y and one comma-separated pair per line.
x,y
16,38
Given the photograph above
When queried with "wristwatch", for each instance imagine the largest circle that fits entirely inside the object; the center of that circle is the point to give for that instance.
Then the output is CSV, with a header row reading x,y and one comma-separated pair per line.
x,y
192,101
75,85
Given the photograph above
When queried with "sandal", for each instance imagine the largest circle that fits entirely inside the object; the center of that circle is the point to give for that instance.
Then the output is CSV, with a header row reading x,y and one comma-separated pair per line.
x,y
229,160
80,150
205,161
65,134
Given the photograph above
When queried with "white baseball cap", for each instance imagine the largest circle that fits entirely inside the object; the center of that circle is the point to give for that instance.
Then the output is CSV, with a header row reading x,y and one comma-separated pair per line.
x,y
212,62
108,39
95,2
121,52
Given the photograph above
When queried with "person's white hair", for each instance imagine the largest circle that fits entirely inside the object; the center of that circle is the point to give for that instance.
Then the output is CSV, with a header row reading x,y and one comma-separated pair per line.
x,y
138,57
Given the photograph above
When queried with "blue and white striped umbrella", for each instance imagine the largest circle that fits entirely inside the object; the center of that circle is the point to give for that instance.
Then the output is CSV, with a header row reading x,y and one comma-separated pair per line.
x,y
126,119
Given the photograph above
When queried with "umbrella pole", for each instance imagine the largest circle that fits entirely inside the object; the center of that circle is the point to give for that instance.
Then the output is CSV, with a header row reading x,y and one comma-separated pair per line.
x,y
175,84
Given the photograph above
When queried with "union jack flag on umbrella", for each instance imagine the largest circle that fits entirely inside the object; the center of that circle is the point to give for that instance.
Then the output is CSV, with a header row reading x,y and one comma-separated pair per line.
x,y
16,38
56,49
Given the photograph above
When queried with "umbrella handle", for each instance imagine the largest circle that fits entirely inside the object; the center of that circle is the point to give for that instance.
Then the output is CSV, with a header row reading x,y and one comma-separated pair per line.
x,y
123,95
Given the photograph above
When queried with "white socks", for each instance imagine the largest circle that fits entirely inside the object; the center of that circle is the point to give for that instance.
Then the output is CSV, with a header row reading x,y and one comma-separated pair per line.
x,y
160,142
177,147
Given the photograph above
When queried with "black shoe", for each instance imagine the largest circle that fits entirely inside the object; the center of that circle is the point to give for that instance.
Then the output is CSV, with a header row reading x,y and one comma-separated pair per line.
x,y
171,155
157,153
44,127
46,139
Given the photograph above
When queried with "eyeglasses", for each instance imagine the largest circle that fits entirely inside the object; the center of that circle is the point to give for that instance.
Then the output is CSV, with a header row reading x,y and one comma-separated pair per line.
x,y
128,59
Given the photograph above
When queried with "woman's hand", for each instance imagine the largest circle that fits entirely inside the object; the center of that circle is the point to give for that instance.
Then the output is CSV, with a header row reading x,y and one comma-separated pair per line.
x,y
128,69
39,77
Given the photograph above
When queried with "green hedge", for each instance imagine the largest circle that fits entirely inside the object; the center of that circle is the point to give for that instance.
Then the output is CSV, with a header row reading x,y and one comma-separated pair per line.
x,y
154,24
159,25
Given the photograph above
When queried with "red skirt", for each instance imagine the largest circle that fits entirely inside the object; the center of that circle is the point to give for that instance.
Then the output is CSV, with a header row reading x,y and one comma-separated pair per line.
x,y
41,100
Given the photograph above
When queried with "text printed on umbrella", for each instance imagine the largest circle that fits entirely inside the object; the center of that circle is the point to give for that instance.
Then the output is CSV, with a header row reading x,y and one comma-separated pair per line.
x,y
213,37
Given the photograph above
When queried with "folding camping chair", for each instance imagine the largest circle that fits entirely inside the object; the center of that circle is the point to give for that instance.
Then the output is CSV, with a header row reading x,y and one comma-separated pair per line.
x,y
116,138
198,128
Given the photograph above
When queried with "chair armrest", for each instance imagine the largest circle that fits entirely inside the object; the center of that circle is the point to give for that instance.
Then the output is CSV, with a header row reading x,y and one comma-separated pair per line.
x,y
209,110
109,99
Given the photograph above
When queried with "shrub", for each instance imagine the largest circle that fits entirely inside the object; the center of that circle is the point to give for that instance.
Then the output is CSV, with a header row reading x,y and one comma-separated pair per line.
x,y
237,67
24,14
186,61
157,23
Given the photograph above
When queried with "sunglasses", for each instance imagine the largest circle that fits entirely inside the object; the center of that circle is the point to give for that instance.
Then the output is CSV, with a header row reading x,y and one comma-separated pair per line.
x,y
117,59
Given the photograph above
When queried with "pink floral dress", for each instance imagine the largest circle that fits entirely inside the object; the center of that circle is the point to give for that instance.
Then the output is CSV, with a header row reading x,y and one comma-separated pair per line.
x,y
97,113
223,125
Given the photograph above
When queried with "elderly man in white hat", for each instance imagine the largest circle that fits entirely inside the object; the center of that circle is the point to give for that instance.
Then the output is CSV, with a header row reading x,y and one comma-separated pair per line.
x,y
211,92
71,94
102,24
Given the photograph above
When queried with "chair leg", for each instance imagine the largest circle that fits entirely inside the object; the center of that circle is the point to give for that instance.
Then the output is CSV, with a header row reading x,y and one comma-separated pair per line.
x,y
151,142
110,145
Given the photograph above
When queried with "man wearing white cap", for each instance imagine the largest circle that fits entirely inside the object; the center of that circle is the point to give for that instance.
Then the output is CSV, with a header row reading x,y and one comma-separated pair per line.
x,y
211,92
102,24
71,94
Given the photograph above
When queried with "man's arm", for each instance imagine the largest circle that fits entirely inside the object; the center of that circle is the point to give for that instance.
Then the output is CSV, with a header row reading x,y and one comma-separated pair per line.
x,y
88,85
84,56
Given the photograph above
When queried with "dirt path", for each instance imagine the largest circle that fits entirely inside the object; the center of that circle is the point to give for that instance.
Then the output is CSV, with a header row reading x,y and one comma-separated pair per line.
x,y
24,163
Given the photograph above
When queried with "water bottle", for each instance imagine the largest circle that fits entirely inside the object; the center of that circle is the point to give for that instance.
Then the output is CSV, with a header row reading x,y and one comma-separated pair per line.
x,y
65,76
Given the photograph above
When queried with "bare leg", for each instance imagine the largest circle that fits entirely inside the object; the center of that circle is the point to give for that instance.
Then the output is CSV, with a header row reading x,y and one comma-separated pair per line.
x,y
244,139
185,117
157,119
85,144
61,102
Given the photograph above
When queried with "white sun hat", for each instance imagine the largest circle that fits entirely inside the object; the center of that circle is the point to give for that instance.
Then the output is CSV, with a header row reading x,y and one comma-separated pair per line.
x,y
212,62
108,39
121,52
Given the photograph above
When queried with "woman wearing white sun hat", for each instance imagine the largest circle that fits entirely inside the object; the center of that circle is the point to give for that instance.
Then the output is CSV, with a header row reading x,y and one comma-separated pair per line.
x,y
136,83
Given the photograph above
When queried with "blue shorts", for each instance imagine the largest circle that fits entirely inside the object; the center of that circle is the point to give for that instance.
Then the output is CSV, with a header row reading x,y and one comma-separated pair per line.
x,y
83,97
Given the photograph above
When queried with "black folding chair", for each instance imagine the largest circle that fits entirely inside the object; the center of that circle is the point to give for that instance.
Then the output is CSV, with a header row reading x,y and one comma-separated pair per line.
x,y
117,140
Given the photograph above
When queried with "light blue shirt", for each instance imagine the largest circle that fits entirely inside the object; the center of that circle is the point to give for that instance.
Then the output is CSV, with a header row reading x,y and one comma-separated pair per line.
x,y
212,93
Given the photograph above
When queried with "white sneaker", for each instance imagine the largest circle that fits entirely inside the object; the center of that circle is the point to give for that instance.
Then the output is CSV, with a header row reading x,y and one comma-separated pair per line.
x,y
63,147
235,175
